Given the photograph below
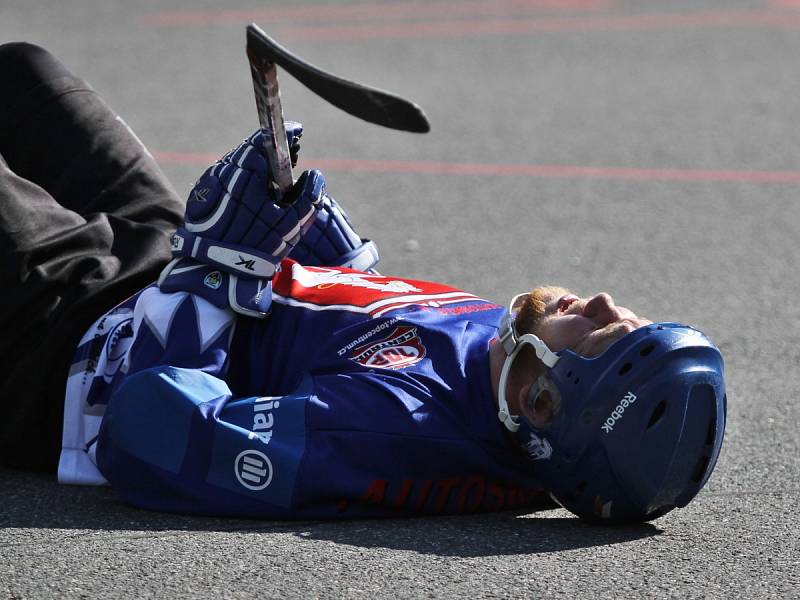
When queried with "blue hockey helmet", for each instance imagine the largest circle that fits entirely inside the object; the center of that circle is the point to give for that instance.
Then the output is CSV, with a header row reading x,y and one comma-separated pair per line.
x,y
636,431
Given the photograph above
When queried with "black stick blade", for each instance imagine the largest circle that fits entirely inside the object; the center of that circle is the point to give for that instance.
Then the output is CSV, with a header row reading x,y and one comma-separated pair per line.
x,y
367,103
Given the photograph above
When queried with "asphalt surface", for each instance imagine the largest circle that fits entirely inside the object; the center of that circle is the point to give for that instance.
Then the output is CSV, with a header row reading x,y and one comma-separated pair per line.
x,y
646,149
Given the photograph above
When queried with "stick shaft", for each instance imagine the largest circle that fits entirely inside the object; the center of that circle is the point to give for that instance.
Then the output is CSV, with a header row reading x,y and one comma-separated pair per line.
x,y
270,116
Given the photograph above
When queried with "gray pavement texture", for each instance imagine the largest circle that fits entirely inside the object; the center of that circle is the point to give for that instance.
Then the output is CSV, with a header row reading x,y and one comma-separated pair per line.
x,y
656,147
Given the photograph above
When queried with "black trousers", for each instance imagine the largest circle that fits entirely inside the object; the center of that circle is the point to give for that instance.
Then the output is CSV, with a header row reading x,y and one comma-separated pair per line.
x,y
85,219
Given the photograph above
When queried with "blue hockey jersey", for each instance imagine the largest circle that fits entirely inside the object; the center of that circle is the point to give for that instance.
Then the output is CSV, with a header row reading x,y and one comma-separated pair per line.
x,y
361,395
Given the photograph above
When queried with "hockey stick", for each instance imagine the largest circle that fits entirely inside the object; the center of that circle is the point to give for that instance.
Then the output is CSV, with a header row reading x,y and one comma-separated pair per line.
x,y
367,103
270,117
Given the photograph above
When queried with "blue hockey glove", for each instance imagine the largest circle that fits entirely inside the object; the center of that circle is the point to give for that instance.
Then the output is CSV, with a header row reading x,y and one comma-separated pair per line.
x,y
234,234
332,242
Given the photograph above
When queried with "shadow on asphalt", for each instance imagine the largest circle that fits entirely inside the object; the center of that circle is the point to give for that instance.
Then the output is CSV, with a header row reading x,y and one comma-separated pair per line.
x,y
35,500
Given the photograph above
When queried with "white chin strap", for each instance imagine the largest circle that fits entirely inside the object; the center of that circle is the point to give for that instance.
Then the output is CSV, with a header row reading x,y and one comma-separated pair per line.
x,y
512,344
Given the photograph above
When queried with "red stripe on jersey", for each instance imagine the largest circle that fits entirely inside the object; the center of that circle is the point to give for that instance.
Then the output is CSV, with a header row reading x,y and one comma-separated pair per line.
x,y
337,288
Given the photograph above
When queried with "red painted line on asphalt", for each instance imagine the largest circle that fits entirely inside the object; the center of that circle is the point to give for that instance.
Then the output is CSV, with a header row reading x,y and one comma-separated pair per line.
x,y
370,11
454,19
570,24
515,170
186,158
784,3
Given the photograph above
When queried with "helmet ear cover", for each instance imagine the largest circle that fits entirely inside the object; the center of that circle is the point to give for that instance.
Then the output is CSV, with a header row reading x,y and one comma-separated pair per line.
x,y
542,388
638,429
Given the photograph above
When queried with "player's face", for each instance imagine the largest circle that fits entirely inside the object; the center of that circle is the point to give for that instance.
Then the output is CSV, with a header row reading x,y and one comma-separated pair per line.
x,y
585,325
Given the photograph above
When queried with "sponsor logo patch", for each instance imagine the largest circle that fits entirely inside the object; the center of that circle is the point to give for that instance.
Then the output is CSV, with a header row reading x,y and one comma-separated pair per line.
x,y
253,469
248,264
213,280
176,241
266,464
118,344
538,448
401,348
200,195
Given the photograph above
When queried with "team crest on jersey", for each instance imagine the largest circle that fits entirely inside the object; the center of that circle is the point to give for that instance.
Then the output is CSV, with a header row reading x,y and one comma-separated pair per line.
x,y
401,348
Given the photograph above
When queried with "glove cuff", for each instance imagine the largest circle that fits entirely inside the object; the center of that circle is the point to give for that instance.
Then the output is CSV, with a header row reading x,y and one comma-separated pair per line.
x,y
235,259
362,258
248,297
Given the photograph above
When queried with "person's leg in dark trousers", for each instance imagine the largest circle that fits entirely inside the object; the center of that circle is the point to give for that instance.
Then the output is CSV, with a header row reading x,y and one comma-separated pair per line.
x,y
85,220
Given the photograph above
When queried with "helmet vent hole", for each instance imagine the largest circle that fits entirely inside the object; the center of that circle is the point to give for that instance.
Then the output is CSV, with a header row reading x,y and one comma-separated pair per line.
x,y
569,374
646,350
700,469
625,368
658,412
577,380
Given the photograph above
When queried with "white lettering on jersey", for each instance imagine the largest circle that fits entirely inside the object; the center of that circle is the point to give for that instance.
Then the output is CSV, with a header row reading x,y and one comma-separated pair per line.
x,y
364,337
322,278
263,419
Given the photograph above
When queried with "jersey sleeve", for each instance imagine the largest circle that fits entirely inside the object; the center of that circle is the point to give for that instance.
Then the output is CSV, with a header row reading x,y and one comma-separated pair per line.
x,y
363,445
151,329
178,440
181,330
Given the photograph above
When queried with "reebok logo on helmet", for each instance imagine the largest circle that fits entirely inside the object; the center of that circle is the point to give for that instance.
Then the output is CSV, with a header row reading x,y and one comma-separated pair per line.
x,y
618,412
